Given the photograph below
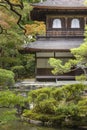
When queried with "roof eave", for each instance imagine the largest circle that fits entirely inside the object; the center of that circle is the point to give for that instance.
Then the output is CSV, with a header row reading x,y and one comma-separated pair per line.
x,y
33,50
59,7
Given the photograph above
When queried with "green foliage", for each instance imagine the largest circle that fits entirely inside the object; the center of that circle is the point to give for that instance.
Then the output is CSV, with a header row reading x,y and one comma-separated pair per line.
x,y
81,78
58,105
73,92
55,105
7,115
10,99
44,117
19,71
81,57
59,67
26,12
29,63
56,64
41,97
6,98
6,77
36,116
58,94
10,57
69,93
82,104
37,95
67,110
9,48
46,107
13,38
34,1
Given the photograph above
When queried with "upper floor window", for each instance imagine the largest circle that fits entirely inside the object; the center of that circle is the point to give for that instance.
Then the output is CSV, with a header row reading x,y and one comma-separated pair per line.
x,y
75,23
57,23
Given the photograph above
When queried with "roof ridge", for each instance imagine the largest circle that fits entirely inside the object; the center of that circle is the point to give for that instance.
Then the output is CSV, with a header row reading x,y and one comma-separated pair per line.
x,y
62,3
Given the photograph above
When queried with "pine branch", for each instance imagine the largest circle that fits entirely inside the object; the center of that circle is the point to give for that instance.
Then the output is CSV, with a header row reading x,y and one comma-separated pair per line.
x,y
12,5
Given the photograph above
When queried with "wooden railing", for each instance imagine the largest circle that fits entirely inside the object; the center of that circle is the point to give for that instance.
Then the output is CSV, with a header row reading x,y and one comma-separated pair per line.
x,y
69,32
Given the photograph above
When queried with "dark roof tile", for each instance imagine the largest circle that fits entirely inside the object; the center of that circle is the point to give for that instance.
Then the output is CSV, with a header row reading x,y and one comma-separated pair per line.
x,y
54,44
62,3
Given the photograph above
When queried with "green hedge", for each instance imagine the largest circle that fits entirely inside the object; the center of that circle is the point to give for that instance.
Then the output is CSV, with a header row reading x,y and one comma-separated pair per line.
x,y
59,105
19,71
6,78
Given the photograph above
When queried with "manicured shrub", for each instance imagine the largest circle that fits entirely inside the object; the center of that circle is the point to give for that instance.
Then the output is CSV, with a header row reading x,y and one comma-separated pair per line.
x,y
44,117
42,97
46,106
19,71
58,94
6,77
35,116
81,78
35,95
59,105
30,68
82,104
67,110
73,91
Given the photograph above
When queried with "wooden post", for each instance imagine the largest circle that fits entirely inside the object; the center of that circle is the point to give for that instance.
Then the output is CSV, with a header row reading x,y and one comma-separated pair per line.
x,y
84,20
66,22
35,65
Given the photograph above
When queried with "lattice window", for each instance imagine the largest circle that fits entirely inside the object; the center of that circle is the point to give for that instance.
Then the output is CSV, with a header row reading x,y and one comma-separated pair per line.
x,y
57,23
75,23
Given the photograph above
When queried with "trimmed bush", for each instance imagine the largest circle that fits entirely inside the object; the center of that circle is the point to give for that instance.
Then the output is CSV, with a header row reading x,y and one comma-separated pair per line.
x,y
6,78
60,106
58,94
19,71
73,91
46,106
81,78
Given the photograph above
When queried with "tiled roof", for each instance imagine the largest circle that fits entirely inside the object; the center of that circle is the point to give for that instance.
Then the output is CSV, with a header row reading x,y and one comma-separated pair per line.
x,y
53,44
61,3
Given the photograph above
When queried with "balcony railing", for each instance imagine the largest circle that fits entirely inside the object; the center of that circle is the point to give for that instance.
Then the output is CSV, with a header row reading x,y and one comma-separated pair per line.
x,y
69,32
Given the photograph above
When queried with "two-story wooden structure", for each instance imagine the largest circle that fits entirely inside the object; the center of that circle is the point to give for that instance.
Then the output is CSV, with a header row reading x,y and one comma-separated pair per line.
x,y
65,21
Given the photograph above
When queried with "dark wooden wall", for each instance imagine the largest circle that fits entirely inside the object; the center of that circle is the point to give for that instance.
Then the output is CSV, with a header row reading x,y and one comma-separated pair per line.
x,y
42,71
66,29
41,13
66,16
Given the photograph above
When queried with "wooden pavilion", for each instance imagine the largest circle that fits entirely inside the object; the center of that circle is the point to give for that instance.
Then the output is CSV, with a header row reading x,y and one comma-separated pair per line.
x,y
65,21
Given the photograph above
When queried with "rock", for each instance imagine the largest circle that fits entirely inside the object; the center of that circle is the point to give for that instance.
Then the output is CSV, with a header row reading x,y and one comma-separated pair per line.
x,y
48,124
83,127
36,122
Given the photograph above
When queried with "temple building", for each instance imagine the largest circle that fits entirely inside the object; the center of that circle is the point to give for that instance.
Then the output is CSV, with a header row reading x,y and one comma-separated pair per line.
x,y
65,21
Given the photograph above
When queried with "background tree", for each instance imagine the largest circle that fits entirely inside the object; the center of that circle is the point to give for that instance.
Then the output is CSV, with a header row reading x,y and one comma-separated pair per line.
x,y
6,79
13,17
35,28
16,26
